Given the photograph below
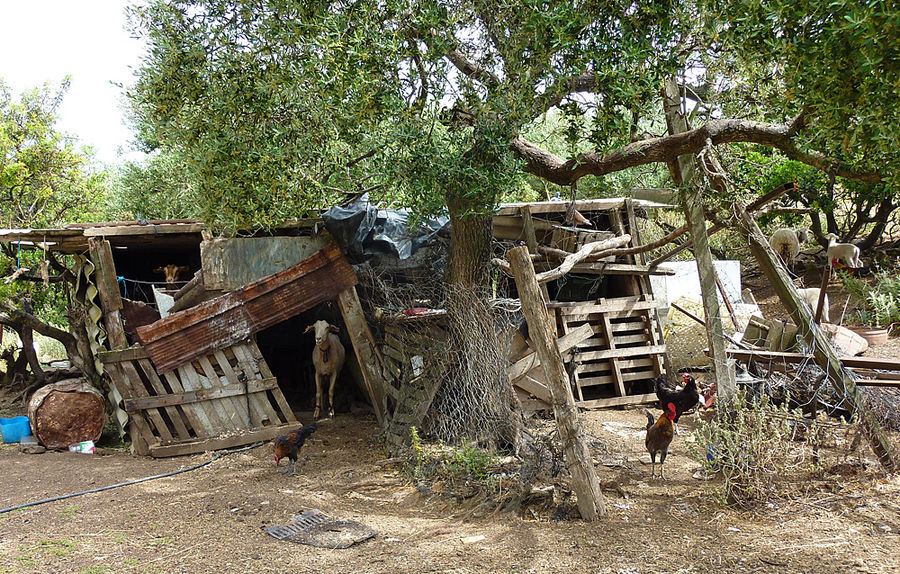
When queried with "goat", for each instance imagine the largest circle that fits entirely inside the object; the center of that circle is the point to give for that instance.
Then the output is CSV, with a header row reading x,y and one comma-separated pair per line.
x,y
137,314
172,273
811,298
786,243
844,252
328,359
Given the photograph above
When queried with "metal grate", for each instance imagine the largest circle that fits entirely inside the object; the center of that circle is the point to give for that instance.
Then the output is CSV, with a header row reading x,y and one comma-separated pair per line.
x,y
316,528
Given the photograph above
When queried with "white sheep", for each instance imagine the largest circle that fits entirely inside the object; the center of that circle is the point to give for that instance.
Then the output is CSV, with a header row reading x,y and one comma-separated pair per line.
x,y
328,358
811,298
786,243
844,252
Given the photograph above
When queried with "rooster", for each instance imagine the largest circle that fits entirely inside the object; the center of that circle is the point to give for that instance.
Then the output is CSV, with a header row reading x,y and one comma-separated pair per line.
x,y
659,437
289,446
684,399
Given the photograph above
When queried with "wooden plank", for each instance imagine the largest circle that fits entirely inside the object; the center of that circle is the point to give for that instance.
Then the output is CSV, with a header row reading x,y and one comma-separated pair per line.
x,y
363,344
259,413
130,354
534,387
253,369
137,389
626,377
616,353
231,403
563,329
618,401
583,205
609,306
623,364
227,417
603,268
588,496
206,413
662,360
163,229
522,366
107,285
256,386
194,413
872,374
613,359
160,389
233,441
793,358
877,383
139,427
287,414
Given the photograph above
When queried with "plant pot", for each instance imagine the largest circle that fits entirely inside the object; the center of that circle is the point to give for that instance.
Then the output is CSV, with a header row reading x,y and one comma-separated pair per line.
x,y
874,335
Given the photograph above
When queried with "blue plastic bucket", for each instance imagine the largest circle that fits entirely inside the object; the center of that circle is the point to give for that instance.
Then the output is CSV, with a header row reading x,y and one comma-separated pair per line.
x,y
14,429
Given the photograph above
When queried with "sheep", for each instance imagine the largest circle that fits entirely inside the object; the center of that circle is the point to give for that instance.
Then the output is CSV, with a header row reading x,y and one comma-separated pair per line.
x,y
786,243
328,359
172,273
844,252
811,298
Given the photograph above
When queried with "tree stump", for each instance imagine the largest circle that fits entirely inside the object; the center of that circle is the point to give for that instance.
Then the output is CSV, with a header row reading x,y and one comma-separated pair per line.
x,y
66,413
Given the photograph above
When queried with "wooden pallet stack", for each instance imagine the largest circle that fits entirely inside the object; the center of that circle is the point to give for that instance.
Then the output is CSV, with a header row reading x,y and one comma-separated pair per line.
x,y
612,345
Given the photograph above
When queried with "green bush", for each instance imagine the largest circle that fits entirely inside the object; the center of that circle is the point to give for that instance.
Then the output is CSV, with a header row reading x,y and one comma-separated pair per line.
x,y
750,450
879,304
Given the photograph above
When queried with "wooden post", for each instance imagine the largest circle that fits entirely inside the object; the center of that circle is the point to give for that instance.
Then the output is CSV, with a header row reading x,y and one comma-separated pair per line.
x,y
826,277
728,306
684,172
812,334
364,347
111,303
532,242
540,328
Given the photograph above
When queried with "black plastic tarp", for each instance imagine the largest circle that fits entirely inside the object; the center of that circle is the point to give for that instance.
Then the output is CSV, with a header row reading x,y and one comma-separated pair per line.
x,y
363,229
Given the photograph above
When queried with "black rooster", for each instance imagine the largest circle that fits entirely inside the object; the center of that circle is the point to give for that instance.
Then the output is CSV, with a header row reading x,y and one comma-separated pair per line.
x,y
684,399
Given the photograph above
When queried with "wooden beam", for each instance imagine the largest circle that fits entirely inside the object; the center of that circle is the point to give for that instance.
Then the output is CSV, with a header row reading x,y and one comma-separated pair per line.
x,y
543,334
130,354
531,361
618,401
695,216
796,358
254,386
814,337
233,441
366,352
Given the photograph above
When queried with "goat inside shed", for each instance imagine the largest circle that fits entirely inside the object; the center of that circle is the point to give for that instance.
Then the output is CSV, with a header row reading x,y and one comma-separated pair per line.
x,y
288,352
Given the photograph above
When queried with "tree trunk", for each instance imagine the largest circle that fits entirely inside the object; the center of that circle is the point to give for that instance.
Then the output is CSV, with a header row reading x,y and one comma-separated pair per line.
x,y
470,249
27,336
880,219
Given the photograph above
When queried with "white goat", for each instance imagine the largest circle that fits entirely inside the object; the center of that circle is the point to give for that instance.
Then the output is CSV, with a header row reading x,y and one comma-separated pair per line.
x,y
811,298
328,358
786,243
844,252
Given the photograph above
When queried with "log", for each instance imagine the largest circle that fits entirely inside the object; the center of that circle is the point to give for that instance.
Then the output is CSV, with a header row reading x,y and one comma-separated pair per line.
x,y
66,413
543,335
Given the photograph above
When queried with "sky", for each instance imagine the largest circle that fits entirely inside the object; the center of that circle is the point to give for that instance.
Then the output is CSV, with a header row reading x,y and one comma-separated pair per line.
x,y
45,40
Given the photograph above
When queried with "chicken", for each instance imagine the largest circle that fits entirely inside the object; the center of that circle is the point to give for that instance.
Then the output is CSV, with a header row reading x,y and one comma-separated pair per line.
x,y
659,436
684,399
289,446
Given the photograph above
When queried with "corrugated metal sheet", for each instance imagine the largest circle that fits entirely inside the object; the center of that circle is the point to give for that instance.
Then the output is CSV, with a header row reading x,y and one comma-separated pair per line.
x,y
232,263
226,320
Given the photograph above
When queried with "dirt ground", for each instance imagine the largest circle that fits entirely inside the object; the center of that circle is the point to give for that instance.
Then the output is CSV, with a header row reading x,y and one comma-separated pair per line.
x,y
211,519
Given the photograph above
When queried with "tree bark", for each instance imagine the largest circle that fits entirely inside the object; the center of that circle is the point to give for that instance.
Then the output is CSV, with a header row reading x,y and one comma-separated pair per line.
x,y
540,327
686,174
470,248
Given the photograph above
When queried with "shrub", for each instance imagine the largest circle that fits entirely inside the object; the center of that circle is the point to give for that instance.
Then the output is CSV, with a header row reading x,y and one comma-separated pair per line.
x,y
751,450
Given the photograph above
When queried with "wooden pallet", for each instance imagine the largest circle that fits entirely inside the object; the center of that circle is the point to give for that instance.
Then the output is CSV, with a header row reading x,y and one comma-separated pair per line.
x,y
224,399
625,347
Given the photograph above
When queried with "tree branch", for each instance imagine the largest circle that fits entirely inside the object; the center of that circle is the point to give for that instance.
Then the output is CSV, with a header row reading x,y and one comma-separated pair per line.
x,y
667,148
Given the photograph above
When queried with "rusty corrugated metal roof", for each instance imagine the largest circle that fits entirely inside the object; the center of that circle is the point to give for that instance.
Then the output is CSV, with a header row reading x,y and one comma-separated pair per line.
x,y
226,320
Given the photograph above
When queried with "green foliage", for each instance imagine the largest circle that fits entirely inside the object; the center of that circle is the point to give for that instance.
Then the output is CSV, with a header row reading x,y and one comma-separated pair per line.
x,y
878,304
45,178
750,450
160,187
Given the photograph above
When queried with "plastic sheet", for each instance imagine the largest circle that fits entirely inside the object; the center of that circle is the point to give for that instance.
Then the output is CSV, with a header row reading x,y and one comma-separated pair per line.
x,y
363,229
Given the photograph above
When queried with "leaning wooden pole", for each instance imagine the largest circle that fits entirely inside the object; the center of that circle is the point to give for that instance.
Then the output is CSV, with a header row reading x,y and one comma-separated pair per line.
x,y
813,336
540,328
685,173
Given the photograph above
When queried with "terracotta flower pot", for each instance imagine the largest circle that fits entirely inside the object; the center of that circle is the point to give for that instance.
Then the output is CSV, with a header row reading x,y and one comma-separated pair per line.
x,y
874,335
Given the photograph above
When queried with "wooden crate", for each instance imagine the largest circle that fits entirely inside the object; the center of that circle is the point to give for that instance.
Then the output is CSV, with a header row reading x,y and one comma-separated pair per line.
x,y
625,347
224,399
